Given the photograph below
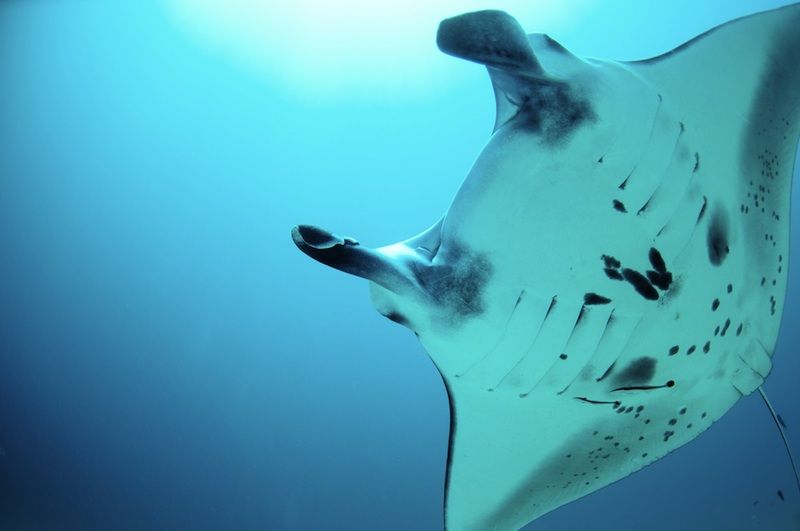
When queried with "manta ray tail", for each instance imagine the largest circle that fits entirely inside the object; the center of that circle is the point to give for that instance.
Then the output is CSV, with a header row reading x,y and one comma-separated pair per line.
x,y
783,435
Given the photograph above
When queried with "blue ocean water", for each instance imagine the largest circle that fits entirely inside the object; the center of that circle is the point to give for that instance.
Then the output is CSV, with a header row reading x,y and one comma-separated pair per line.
x,y
169,360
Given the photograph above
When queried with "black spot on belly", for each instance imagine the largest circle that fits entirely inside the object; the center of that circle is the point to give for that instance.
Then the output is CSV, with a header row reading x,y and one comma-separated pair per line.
x,y
640,371
641,284
674,350
717,239
618,205
660,280
611,262
657,261
594,298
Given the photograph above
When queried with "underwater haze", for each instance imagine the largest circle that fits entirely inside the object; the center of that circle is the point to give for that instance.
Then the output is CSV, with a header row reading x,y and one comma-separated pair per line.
x,y
170,361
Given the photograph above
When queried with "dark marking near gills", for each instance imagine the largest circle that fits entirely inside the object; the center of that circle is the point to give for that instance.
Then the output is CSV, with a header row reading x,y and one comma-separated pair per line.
x,y
618,205
553,302
580,316
459,285
594,298
613,274
780,495
608,372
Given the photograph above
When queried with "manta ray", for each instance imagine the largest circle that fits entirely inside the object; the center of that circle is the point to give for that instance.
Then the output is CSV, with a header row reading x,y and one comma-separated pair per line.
x,y
609,279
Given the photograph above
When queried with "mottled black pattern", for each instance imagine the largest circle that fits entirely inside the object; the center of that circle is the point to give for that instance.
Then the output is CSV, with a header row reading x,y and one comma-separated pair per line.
x,y
458,285
656,260
644,284
594,298
660,280
640,284
659,277
552,110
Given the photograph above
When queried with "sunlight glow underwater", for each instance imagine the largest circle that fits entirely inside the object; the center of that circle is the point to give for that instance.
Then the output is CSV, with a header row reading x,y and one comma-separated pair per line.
x,y
316,49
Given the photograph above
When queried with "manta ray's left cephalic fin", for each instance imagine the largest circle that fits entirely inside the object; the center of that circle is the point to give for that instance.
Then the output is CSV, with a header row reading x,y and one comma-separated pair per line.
x,y
517,67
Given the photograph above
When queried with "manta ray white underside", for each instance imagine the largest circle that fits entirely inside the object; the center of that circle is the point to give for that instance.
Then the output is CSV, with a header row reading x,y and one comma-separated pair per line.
x,y
610,277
